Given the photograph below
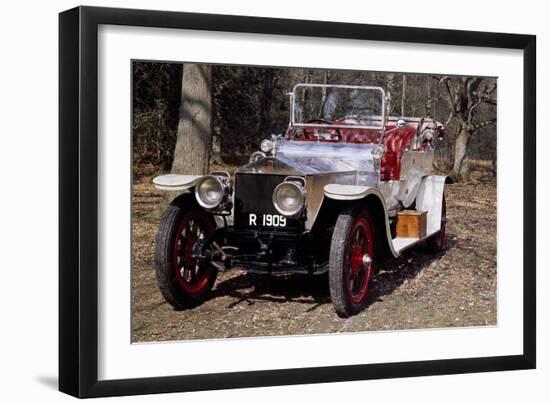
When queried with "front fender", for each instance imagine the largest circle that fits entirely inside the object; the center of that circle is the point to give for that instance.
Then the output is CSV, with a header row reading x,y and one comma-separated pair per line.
x,y
348,192
176,182
373,201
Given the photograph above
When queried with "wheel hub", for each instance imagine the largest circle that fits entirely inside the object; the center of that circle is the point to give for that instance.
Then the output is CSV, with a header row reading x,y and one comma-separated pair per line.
x,y
366,259
359,260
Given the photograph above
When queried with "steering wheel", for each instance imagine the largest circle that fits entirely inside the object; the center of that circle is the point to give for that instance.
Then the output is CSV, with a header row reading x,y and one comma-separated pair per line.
x,y
319,120
323,122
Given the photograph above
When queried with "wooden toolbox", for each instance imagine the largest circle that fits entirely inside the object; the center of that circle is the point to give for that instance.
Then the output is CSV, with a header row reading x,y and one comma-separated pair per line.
x,y
411,224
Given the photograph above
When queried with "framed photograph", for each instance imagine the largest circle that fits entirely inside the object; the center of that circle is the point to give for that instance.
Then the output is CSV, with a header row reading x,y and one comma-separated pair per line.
x,y
251,201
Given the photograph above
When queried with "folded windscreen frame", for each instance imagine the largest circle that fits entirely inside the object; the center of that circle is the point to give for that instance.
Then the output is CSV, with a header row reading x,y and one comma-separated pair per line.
x,y
337,106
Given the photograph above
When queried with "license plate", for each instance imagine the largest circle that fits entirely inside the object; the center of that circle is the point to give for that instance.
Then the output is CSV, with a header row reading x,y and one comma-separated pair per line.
x,y
266,220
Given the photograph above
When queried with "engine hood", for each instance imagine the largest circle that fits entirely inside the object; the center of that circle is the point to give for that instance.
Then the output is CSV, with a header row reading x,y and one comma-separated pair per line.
x,y
282,165
315,158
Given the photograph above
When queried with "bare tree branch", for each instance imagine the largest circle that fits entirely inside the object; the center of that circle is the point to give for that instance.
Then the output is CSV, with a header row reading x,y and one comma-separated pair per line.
x,y
486,95
492,90
491,101
472,108
480,125
449,119
450,99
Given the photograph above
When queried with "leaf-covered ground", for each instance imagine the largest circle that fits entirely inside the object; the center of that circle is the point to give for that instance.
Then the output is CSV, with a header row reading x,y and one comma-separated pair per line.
x,y
417,290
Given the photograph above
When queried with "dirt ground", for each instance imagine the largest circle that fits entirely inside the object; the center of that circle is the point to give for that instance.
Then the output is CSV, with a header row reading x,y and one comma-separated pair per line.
x,y
417,290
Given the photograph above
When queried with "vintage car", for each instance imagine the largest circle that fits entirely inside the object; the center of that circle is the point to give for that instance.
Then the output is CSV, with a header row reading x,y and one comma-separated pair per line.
x,y
344,187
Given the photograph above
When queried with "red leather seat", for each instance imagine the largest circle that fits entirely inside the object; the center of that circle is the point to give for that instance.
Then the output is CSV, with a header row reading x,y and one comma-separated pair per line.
x,y
396,143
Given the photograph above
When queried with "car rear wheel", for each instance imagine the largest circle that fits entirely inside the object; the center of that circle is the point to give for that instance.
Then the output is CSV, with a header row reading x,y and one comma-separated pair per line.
x,y
351,261
436,243
184,281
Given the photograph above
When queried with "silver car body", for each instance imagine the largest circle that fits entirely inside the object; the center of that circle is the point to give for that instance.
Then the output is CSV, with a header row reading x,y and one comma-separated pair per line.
x,y
345,172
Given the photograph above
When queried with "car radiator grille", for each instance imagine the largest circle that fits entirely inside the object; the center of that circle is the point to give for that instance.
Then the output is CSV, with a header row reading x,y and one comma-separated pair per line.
x,y
253,195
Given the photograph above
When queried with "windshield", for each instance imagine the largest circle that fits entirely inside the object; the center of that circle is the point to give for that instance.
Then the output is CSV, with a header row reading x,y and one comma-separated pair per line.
x,y
337,106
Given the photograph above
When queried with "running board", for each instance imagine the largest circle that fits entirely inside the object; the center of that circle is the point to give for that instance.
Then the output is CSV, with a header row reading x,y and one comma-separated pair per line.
x,y
400,244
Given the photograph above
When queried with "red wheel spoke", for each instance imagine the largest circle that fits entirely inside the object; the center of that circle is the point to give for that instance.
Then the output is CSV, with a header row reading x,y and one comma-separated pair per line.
x,y
357,272
192,274
185,274
359,238
180,251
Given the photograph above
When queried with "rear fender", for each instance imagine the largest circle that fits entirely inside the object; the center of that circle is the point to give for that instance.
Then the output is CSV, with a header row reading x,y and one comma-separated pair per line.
x,y
430,198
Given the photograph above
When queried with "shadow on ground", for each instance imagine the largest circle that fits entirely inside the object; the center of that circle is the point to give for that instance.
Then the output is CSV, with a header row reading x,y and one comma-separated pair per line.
x,y
249,288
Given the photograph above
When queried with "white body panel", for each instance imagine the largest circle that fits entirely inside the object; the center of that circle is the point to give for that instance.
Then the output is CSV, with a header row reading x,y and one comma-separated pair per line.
x,y
429,198
356,192
175,182
348,192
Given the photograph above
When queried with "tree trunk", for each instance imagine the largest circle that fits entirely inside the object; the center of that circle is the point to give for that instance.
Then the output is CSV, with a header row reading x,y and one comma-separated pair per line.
x,y
323,95
194,134
390,86
429,101
266,100
303,111
461,166
403,95
216,151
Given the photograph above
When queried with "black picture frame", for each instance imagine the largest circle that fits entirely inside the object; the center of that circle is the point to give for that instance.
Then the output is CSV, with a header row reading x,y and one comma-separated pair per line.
x,y
78,201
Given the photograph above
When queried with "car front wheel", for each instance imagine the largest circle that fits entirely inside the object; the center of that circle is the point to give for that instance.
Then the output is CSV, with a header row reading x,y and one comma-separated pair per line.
x,y
184,280
351,261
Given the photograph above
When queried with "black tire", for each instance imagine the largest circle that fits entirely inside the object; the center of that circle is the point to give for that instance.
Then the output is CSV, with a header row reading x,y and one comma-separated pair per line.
x,y
436,243
183,281
346,272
